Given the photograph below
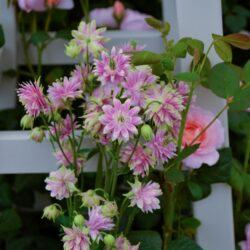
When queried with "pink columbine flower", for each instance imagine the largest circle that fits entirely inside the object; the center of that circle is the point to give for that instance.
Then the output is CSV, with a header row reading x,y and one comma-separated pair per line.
x,y
67,158
60,183
164,105
140,161
97,222
245,245
136,83
42,5
76,239
64,129
132,47
120,120
79,75
122,243
209,141
112,69
61,92
32,97
144,196
89,39
162,149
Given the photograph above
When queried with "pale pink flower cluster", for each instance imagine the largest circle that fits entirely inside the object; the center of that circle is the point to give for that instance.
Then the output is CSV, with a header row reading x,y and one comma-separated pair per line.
x,y
245,245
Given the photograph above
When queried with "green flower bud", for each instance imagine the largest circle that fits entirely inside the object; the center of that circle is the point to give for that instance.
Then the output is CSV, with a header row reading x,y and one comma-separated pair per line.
x,y
27,121
90,199
109,209
51,212
57,117
72,50
37,134
147,132
79,220
109,240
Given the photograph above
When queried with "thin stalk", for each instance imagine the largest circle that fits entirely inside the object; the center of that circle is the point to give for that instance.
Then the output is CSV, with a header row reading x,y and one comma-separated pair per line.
x,y
130,222
205,57
39,62
99,173
136,144
209,125
247,153
48,20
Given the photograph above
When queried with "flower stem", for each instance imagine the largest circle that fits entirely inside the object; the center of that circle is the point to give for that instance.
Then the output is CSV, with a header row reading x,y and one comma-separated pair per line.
x,y
99,173
247,153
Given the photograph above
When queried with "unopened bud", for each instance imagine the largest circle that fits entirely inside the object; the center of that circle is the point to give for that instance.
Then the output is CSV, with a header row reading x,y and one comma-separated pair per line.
x,y
51,212
72,50
119,10
147,132
109,209
27,121
79,220
109,240
37,134
90,199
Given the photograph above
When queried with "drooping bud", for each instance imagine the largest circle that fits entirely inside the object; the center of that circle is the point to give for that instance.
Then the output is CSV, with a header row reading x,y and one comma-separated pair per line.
x,y
147,132
109,240
79,220
118,10
27,121
110,209
90,199
72,50
52,212
37,134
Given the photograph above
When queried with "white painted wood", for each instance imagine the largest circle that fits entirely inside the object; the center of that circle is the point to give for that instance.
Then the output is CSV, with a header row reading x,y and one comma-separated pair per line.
x,y
199,19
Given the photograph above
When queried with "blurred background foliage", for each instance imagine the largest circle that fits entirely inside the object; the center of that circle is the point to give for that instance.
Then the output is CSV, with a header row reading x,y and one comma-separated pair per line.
x,y
22,197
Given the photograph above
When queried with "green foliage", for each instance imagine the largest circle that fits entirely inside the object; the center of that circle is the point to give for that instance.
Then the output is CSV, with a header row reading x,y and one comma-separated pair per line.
x,y
149,240
2,39
40,38
246,72
184,243
223,50
175,175
9,221
145,57
187,77
180,49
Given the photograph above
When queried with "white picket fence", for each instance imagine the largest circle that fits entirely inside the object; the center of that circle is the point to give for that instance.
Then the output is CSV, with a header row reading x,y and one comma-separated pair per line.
x,y
196,18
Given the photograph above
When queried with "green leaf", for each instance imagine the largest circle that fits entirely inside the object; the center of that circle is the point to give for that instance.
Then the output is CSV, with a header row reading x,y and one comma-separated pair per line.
x,y
190,223
175,175
241,100
220,172
180,49
236,177
145,57
168,63
2,39
187,77
154,23
184,243
195,190
9,221
39,38
149,240
223,50
246,179
238,40
246,72
187,151
239,122
223,80
195,44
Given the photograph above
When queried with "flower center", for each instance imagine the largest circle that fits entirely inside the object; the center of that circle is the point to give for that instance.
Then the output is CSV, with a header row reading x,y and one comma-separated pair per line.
x,y
112,64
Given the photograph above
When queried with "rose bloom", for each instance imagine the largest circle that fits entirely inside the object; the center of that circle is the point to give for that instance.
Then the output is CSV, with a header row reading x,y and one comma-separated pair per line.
x,y
245,245
210,140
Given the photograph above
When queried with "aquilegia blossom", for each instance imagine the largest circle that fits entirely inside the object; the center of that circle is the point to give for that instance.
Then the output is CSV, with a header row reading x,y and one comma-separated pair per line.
x,y
32,97
60,183
120,120
245,245
67,90
140,161
144,196
211,140
89,39
123,243
76,239
112,68
97,223
162,149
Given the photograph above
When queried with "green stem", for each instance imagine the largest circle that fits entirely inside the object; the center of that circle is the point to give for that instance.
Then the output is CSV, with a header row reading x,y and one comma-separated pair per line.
x,y
85,9
114,179
39,62
99,173
205,57
122,210
247,153
209,125
130,222
48,20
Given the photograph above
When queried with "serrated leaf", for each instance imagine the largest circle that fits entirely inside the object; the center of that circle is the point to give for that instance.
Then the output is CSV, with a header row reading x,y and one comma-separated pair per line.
x,y
184,243
246,72
238,40
223,50
145,58
149,240
187,77
223,80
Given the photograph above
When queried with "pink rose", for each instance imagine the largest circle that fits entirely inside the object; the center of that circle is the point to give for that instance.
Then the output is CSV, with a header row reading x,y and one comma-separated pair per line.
x,y
118,10
134,21
104,17
209,141
245,245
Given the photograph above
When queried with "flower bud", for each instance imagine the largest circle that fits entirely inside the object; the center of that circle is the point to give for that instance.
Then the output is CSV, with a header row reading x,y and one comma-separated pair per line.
x,y
72,50
109,240
119,10
90,199
37,134
79,220
51,212
147,132
27,121
109,209
57,117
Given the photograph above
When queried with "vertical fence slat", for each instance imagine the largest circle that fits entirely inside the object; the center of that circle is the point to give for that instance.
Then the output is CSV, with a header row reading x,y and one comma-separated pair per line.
x,y
9,58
